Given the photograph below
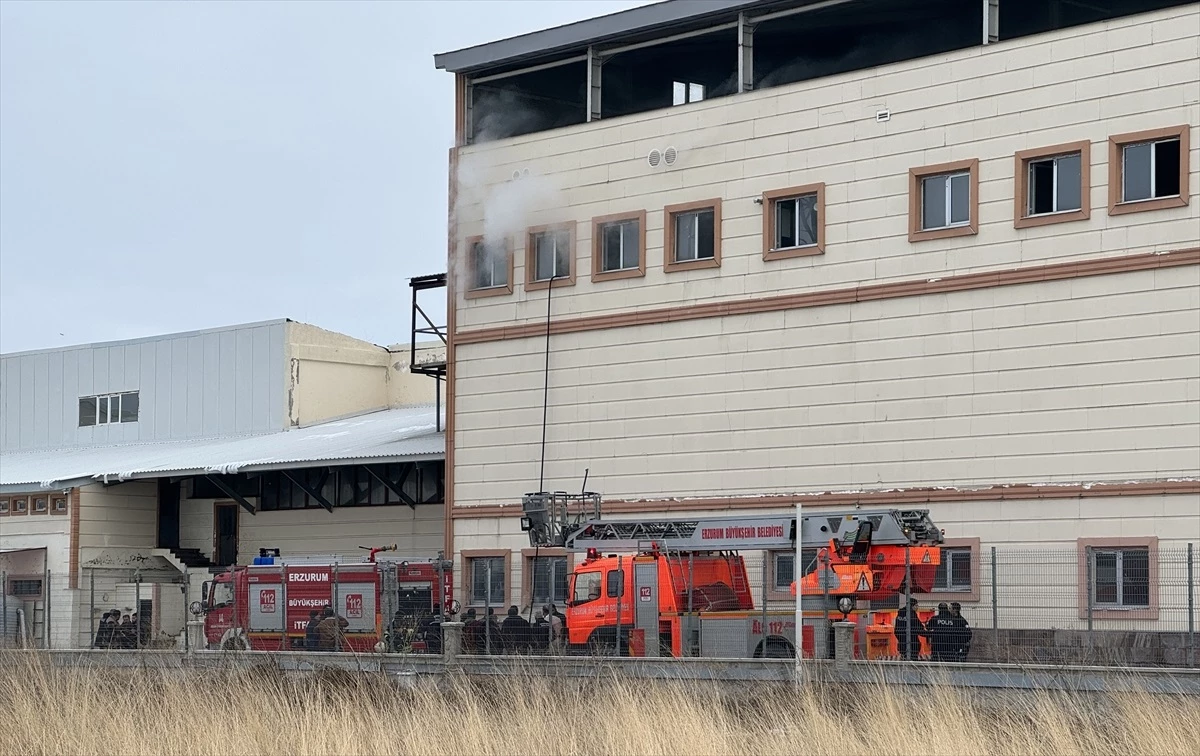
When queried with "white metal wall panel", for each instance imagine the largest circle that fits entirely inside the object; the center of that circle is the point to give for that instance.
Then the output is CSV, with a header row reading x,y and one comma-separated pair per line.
x,y
266,607
194,385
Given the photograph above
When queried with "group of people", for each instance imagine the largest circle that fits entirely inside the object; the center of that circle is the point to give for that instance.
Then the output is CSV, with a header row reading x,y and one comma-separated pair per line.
x,y
117,630
948,632
515,635
326,630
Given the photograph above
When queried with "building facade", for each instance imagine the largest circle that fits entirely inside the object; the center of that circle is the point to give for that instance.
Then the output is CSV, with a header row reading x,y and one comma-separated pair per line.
x,y
957,269
131,470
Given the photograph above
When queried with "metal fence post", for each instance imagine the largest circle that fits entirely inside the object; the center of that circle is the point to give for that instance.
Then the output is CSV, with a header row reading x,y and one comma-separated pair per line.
x,y
1090,557
4,609
282,607
766,556
187,612
46,612
620,592
1191,597
995,606
92,629
687,650
487,609
137,605
909,614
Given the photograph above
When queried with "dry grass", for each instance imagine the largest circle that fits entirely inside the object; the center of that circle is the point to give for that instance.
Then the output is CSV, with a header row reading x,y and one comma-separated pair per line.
x,y
127,712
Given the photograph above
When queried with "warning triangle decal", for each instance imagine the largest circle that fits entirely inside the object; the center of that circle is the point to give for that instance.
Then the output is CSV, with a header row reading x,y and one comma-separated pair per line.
x,y
925,559
863,586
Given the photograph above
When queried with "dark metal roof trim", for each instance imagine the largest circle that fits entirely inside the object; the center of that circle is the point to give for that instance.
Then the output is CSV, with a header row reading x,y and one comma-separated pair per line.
x,y
579,35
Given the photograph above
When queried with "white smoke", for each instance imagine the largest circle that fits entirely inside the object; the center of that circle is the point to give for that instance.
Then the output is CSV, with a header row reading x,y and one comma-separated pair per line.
x,y
498,207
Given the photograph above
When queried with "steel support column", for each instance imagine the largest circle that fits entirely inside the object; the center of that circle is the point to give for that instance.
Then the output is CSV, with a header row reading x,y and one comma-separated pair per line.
x,y
745,32
595,66
991,21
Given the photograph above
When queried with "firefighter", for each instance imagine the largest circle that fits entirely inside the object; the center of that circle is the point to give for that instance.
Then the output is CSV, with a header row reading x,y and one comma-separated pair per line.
x,y
312,638
943,634
331,630
908,630
962,637
516,632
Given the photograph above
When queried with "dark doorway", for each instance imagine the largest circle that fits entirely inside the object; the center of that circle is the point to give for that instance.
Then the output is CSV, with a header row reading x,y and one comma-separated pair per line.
x,y
225,534
168,514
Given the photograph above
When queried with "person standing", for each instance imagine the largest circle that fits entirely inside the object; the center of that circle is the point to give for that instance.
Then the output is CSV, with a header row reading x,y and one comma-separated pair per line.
x,y
312,637
962,635
943,634
908,630
516,632
331,630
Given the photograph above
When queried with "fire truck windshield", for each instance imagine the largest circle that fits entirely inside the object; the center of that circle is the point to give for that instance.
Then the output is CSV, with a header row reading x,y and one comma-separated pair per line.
x,y
220,595
587,587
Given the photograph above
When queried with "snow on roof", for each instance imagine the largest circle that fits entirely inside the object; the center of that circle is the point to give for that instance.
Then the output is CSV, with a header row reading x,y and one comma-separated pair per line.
x,y
386,436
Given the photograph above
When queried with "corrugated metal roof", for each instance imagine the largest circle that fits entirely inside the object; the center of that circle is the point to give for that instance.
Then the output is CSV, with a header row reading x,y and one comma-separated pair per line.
x,y
407,433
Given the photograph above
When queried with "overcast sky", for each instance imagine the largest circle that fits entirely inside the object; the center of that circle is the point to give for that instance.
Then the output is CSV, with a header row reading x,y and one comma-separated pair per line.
x,y
175,166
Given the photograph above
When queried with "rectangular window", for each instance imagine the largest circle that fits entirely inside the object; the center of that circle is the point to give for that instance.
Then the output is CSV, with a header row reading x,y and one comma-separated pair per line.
x,y
954,573
945,201
489,265
793,222
796,222
25,588
694,236
551,254
615,583
785,570
41,505
1054,185
1121,577
620,245
1150,170
58,505
549,580
3,506
108,408
487,580
20,505
684,92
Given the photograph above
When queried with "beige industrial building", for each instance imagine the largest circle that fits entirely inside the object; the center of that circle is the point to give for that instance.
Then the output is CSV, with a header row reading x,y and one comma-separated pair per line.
x,y
131,470
906,254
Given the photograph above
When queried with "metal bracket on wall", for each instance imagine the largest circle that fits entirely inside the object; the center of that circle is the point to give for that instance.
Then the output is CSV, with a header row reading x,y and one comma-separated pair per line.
x,y
397,486
314,492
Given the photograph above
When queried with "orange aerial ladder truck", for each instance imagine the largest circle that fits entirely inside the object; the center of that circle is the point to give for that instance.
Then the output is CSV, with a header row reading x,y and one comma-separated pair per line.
x,y
681,588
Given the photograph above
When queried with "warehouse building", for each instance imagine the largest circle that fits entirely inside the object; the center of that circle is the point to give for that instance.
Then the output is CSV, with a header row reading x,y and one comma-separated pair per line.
x,y
130,470
913,253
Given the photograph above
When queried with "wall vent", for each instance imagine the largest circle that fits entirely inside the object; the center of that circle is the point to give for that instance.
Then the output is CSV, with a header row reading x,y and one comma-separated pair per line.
x,y
882,115
669,156
654,158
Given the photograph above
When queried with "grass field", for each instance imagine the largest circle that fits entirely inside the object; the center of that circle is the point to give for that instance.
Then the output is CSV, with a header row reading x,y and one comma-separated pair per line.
x,y
128,712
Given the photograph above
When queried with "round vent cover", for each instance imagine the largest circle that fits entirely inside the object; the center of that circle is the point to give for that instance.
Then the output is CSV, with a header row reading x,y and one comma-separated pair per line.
x,y
516,175
669,156
654,158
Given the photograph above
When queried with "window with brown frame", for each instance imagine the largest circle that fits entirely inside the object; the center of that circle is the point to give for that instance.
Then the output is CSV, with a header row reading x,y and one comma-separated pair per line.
x,y
486,577
18,505
1052,185
943,200
1118,577
489,266
1148,170
549,253
794,222
41,505
58,505
4,507
619,246
692,235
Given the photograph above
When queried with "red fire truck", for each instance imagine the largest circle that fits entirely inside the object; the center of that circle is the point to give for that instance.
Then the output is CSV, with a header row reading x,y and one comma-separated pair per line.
x,y
684,590
265,606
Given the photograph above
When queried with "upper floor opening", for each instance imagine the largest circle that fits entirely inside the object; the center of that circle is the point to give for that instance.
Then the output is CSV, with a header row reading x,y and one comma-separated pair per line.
x,y
678,52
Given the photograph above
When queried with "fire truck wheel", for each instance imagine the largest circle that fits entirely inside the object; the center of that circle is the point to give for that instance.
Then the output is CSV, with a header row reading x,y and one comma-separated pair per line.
x,y
234,639
775,647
